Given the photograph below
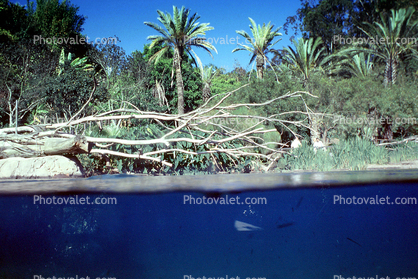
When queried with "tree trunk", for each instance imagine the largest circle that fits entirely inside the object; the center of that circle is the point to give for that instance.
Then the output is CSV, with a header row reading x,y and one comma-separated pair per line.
x,y
179,82
390,71
394,66
206,92
314,127
260,66
25,146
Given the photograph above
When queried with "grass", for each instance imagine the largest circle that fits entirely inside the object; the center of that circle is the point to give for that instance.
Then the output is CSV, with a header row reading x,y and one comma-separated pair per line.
x,y
354,154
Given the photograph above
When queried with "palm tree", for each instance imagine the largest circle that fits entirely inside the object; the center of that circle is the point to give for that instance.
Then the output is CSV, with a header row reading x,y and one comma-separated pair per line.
x,y
396,35
179,33
361,64
306,56
260,45
207,74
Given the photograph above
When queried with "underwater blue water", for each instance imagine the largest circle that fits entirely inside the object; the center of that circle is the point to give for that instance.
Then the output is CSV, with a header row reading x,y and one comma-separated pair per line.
x,y
303,235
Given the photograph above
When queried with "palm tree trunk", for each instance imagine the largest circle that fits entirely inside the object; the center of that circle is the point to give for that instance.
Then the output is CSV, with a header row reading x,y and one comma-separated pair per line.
x,y
260,65
390,71
387,70
179,82
206,92
394,68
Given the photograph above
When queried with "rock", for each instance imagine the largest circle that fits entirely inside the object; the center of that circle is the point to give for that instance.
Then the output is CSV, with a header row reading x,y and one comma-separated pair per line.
x,y
295,143
40,167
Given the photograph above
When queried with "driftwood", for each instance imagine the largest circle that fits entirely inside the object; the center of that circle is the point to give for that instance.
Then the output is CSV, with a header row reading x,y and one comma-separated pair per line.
x,y
28,146
411,139
53,139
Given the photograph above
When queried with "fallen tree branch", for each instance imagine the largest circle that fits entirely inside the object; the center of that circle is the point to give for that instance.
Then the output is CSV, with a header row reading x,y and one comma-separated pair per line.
x,y
134,156
42,147
51,139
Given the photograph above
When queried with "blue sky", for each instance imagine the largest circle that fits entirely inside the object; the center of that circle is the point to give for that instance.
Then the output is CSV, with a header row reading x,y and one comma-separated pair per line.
x,y
125,19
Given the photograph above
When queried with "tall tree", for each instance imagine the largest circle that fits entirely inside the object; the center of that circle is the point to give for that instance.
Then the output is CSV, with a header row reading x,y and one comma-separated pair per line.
x,y
110,59
326,19
179,32
305,57
397,35
329,18
260,43
207,73
59,19
14,21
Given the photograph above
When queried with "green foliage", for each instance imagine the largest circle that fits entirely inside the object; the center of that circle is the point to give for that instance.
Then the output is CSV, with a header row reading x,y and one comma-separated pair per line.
x,y
404,152
305,57
78,63
23,68
400,25
261,42
68,92
353,154
14,22
163,72
179,34
55,18
110,60
227,82
328,18
360,65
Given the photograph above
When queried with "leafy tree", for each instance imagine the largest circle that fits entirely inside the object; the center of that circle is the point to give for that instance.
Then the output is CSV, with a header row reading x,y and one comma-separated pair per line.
x,y
329,18
260,44
324,20
132,86
55,18
14,21
23,68
110,59
67,93
225,82
145,80
239,72
179,33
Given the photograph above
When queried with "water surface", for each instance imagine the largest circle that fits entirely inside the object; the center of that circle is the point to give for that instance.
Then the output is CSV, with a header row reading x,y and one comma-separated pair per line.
x,y
300,231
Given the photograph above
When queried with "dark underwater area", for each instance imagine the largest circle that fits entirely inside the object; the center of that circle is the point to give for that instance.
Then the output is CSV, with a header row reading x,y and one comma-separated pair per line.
x,y
299,233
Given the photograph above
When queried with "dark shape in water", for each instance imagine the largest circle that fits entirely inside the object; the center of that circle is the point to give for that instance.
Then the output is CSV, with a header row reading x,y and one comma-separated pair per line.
x,y
299,202
285,225
354,241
